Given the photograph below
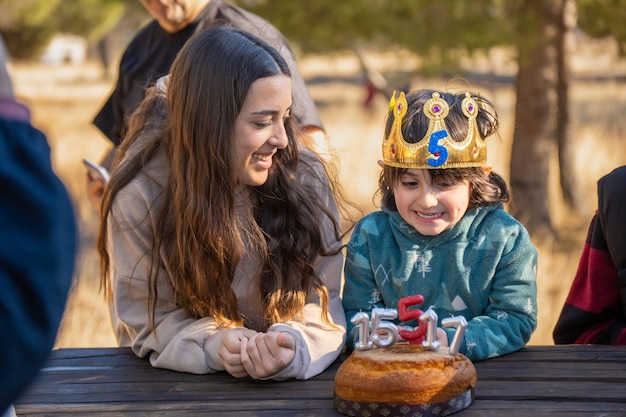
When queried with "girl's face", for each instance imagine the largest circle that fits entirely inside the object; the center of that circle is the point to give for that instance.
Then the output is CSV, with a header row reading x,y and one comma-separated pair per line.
x,y
260,127
430,208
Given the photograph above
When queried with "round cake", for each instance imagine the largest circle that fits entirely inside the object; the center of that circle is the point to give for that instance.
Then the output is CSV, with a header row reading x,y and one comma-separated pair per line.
x,y
402,379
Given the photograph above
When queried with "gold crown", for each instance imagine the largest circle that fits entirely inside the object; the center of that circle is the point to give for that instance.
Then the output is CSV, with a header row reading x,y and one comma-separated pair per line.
x,y
436,149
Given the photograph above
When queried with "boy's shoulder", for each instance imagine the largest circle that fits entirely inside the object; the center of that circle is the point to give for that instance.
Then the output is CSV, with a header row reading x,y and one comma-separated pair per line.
x,y
496,214
494,220
373,218
378,223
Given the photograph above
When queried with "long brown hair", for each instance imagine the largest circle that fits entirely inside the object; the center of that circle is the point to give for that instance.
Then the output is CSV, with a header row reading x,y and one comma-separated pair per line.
x,y
198,227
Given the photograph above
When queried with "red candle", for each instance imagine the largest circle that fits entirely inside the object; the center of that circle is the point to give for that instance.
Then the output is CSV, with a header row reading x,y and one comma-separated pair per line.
x,y
416,335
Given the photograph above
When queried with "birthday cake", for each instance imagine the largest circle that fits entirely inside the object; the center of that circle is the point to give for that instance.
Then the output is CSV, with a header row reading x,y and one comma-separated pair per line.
x,y
404,379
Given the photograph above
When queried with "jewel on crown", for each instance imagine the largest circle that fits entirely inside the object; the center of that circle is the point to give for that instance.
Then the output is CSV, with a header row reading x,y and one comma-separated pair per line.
x,y
436,149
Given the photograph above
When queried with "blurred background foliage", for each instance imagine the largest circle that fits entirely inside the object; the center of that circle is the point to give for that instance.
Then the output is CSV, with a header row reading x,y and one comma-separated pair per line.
x,y
442,34
600,18
27,26
437,30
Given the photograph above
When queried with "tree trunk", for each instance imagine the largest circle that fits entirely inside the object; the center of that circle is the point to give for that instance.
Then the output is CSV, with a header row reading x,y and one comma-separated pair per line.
x,y
566,149
535,115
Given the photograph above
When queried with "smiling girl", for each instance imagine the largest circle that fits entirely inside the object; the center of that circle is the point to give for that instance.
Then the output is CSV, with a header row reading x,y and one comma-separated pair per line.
x,y
442,232
220,240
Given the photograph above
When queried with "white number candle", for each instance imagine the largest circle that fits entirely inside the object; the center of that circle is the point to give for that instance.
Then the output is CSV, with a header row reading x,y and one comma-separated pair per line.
x,y
430,317
363,321
461,324
384,334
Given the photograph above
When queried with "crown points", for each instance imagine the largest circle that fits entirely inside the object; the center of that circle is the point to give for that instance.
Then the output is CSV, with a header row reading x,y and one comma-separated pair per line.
x,y
437,149
436,107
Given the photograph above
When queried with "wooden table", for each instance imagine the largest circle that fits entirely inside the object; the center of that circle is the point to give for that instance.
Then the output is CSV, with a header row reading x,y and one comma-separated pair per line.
x,y
538,381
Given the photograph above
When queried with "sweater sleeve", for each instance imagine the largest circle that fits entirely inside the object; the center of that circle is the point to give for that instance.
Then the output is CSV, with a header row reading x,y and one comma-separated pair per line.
x,y
595,308
178,342
592,312
510,316
612,218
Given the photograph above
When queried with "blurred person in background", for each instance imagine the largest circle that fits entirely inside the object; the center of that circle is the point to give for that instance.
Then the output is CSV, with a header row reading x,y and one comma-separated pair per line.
x,y
37,246
152,51
595,308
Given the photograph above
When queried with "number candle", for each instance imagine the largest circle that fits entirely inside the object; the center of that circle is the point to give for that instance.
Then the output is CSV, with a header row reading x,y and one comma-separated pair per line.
x,y
383,334
363,321
416,335
461,324
430,317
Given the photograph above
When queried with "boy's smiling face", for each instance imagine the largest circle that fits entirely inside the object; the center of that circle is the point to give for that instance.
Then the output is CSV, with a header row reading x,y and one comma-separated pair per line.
x,y
430,207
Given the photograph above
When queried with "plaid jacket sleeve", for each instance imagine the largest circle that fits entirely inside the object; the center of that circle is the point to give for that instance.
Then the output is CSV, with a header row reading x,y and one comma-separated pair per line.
x,y
594,310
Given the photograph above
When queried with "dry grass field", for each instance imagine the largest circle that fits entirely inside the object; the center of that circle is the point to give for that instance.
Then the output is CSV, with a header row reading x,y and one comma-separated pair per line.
x,y
64,99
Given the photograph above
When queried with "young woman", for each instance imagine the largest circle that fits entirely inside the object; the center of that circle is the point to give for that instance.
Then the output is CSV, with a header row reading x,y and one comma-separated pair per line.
x,y
442,232
220,240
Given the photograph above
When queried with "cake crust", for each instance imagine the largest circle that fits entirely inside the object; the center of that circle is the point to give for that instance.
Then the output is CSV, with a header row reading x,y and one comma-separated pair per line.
x,y
403,374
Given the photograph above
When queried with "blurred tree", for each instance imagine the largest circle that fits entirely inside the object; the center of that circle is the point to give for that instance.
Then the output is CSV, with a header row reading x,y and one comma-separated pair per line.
x,y
601,18
536,113
566,42
444,32
27,26
438,30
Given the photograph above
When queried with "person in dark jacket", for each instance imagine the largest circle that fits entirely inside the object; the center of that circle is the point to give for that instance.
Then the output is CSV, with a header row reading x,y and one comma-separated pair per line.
x,y
37,246
595,308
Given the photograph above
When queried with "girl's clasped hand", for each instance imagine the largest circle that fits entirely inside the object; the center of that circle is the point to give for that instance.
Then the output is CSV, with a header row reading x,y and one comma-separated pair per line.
x,y
247,353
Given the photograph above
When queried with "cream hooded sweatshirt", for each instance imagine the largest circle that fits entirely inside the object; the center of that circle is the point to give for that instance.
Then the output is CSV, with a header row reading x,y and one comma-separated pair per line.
x,y
185,344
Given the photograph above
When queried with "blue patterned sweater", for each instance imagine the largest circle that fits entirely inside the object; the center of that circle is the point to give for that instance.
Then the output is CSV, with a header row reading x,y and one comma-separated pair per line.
x,y
483,268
